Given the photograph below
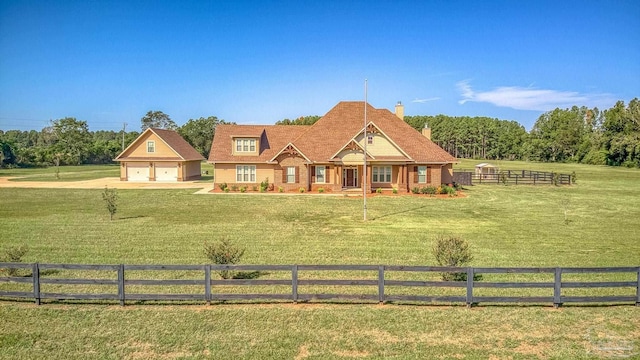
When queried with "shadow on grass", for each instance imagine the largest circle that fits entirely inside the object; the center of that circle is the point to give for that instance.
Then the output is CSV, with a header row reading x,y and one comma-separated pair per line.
x,y
249,274
130,217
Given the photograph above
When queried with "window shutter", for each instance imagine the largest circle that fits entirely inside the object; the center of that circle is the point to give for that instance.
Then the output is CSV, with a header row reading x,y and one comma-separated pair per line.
x,y
284,174
297,174
428,174
313,174
415,174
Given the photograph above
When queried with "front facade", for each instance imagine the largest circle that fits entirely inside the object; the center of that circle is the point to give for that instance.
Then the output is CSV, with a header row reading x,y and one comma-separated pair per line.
x,y
330,153
159,155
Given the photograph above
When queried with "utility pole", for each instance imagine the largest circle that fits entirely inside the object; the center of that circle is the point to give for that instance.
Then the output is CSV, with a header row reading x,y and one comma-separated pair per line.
x,y
124,128
364,179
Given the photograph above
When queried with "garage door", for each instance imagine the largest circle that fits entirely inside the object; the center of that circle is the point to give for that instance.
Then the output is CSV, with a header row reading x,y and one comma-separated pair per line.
x,y
167,172
137,172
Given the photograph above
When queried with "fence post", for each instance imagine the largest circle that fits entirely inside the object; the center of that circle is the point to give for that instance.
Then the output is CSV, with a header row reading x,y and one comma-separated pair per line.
x,y
469,287
638,289
35,273
557,287
121,284
294,283
207,283
381,284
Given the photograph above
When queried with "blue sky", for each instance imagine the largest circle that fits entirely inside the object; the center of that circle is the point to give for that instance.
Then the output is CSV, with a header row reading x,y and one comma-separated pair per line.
x,y
257,62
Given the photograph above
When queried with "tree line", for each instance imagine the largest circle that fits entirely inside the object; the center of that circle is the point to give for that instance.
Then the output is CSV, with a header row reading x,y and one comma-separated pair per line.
x,y
68,141
576,134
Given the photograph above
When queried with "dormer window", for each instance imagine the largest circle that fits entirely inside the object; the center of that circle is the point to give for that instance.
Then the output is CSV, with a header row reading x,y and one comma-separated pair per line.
x,y
370,139
151,146
245,145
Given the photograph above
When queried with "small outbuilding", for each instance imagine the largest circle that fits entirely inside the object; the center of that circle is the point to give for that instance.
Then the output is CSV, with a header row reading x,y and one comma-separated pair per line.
x,y
159,155
486,170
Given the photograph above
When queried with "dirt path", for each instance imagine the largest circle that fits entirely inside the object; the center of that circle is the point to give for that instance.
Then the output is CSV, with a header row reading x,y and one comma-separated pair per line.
x,y
112,182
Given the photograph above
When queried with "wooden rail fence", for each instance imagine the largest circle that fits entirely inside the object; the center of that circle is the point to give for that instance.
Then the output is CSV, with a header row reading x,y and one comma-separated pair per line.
x,y
379,280
515,177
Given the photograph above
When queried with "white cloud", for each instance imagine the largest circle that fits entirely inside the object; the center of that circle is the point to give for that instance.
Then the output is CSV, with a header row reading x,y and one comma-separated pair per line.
x,y
422,101
529,98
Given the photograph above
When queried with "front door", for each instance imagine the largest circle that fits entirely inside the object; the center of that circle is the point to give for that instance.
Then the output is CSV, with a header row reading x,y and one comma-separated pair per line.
x,y
350,177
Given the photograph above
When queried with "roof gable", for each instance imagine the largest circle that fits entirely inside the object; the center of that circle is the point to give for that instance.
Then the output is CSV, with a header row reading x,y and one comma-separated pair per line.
x,y
171,145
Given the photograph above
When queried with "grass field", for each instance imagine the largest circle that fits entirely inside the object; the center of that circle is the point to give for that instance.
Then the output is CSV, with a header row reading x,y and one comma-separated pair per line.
x,y
505,226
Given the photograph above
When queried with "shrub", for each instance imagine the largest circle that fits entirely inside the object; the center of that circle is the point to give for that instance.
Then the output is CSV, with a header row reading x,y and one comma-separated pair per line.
x,y
415,190
424,190
431,190
502,177
394,190
379,190
226,189
111,198
223,253
15,254
234,187
254,188
446,189
573,177
264,185
280,189
243,189
222,186
439,190
320,190
451,250
301,190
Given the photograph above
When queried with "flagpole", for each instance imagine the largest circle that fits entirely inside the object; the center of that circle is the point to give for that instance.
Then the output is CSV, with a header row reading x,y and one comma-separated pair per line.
x,y
364,177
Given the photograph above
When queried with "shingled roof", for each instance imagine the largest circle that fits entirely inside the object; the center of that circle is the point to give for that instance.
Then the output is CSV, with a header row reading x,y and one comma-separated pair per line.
x,y
180,146
320,141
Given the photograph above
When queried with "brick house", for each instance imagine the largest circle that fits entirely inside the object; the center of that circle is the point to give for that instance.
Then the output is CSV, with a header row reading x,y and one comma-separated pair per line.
x,y
330,153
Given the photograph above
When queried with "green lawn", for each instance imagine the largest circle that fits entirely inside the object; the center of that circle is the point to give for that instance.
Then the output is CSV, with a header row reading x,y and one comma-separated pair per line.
x,y
505,226
66,173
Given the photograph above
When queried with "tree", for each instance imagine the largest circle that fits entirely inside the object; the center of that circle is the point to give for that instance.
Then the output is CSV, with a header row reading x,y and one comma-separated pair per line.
x,y
111,199
157,119
199,133
621,135
302,120
7,157
71,138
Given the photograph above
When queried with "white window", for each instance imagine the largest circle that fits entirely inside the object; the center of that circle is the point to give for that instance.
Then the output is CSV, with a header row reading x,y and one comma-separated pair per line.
x,y
320,171
246,173
381,174
151,146
422,174
245,145
291,174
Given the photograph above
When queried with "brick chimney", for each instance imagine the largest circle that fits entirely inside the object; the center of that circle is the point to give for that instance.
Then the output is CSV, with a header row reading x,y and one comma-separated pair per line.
x,y
400,110
426,131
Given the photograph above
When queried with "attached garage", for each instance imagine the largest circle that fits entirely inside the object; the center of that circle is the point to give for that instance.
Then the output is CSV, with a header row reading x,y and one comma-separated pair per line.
x,y
167,172
137,172
159,155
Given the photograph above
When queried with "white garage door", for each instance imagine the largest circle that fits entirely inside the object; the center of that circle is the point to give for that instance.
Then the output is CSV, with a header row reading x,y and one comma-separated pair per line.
x,y
167,172
137,172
